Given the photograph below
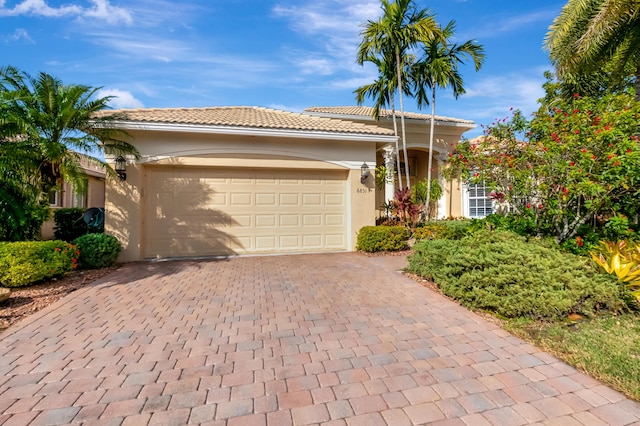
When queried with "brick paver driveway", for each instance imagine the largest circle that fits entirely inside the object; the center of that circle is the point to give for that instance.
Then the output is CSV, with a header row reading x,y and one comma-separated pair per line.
x,y
336,339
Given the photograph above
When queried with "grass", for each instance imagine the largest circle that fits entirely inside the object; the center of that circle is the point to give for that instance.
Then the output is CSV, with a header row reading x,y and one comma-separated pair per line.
x,y
606,348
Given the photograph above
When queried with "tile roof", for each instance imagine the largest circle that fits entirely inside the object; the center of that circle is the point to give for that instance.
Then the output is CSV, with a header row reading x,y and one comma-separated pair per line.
x,y
363,111
249,117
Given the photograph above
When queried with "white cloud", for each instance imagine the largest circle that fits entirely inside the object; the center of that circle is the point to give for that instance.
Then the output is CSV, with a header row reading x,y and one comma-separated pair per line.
x,y
334,27
499,25
99,9
493,98
103,10
17,35
121,98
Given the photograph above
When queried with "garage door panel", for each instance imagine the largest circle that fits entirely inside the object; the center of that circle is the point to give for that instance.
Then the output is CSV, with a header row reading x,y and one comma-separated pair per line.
x,y
266,199
311,220
216,211
314,199
289,220
269,221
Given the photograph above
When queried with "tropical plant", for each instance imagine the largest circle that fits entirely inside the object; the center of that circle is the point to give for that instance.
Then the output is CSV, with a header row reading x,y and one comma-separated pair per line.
x,y
400,28
440,68
405,209
58,122
45,126
383,177
427,193
591,35
622,259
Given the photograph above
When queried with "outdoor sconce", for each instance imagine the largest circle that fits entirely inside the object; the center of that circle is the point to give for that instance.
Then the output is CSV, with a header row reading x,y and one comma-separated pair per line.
x,y
121,167
364,172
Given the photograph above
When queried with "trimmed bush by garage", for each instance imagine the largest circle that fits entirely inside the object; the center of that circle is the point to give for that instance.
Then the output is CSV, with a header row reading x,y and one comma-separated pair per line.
x,y
97,250
383,238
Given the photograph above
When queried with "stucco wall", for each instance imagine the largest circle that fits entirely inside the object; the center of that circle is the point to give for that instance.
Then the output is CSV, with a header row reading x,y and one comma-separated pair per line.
x,y
125,200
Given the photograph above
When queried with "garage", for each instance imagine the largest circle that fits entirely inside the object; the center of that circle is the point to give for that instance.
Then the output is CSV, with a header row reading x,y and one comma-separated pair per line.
x,y
219,211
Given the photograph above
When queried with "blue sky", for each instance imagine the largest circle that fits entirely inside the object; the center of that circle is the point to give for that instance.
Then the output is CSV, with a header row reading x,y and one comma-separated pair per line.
x,y
286,54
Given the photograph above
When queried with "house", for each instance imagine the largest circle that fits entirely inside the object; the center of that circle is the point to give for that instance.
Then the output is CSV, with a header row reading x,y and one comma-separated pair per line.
x,y
238,180
68,196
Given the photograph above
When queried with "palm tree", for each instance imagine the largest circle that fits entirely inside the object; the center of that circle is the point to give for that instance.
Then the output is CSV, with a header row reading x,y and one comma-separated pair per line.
x,y
589,35
440,68
382,91
399,29
44,126
58,122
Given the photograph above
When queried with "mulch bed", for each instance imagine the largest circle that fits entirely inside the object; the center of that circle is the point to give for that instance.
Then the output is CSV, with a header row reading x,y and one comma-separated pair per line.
x,y
28,300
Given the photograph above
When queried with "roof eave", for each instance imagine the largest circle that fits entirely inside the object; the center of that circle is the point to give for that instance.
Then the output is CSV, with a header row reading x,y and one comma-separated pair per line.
x,y
252,131
466,125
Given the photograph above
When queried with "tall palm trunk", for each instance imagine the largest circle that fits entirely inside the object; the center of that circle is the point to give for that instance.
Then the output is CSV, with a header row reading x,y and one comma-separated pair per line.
x,y
430,161
395,132
404,140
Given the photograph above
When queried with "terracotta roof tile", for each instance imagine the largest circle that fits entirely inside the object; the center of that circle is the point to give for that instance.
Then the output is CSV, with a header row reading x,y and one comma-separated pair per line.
x,y
251,117
363,111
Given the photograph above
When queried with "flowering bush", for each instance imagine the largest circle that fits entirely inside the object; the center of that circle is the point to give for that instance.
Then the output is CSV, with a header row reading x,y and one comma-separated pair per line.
x,y
27,262
575,162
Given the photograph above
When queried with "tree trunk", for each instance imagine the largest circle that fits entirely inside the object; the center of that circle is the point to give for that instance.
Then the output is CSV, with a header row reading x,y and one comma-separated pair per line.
x,y
430,161
395,132
404,140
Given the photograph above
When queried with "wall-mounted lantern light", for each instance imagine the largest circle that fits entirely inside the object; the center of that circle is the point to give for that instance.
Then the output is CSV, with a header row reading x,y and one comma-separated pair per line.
x,y
364,172
121,167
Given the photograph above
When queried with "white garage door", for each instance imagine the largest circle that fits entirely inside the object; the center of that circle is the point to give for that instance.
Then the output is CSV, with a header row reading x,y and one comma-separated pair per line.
x,y
216,211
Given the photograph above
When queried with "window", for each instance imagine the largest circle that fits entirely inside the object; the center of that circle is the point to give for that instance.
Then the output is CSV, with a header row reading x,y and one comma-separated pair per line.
x,y
54,198
79,197
478,202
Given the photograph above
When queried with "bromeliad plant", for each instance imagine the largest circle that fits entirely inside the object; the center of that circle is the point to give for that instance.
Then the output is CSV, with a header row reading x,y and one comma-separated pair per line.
x,y
621,258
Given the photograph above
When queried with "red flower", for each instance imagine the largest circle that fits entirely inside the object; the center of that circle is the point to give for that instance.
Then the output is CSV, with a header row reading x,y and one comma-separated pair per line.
x,y
577,132
579,241
607,128
573,163
576,96
528,205
584,150
629,151
56,249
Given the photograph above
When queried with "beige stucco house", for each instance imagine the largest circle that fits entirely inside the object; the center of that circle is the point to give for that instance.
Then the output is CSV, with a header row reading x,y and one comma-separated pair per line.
x,y
68,196
241,180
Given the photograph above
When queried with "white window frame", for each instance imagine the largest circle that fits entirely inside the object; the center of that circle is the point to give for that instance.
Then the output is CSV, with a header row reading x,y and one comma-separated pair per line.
x,y
466,198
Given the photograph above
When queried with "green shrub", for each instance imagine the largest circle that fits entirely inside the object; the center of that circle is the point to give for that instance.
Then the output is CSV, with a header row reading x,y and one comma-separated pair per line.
x,y
503,273
27,262
69,224
522,223
443,229
97,250
382,238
